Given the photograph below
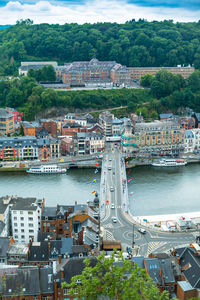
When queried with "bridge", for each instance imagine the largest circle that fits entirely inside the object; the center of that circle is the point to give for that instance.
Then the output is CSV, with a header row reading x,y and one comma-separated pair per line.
x,y
116,222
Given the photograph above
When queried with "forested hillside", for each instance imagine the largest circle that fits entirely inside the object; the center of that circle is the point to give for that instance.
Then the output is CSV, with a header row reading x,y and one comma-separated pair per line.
x,y
138,43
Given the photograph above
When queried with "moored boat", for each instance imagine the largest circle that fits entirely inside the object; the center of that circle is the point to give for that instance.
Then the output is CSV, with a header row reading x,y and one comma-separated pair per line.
x,y
170,162
47,169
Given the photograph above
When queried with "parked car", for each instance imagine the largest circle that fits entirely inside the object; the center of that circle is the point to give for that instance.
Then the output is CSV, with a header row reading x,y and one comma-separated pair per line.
x,y
112,189
112,205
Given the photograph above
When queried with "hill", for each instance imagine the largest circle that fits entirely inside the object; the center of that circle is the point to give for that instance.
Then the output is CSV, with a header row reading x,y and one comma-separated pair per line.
x,y
134,43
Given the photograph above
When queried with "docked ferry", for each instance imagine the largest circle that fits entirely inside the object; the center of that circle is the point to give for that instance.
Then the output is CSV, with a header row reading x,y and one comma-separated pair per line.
x,y
48,169
170,162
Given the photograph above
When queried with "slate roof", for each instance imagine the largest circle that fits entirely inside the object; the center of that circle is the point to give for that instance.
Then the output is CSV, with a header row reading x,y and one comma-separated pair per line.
x,y
75,266
77,249
25,280
4,245
167,273
139,260
39,251
189,134
185,286
18,142
192,261
43,141
46,280
20,203
49,212
67,244
44,236
153,268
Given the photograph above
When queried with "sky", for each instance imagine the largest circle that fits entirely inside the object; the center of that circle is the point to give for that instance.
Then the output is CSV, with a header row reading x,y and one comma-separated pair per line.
x,y
93,11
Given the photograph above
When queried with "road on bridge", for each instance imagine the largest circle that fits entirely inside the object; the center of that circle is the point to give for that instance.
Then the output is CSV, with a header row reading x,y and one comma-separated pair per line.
x,y
118,225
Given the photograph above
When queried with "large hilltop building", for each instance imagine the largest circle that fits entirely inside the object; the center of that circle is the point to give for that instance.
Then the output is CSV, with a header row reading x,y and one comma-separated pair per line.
x,y
80,73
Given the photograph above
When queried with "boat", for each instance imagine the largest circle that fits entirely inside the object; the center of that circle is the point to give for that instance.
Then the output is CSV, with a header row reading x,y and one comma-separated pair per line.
x,y
47,169
170,162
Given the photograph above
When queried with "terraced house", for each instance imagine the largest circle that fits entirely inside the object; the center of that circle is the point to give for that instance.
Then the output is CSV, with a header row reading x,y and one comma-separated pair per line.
x,y
18,148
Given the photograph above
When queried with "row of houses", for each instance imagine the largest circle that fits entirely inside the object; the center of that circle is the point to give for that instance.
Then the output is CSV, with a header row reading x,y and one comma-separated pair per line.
x,y
177,273
24,218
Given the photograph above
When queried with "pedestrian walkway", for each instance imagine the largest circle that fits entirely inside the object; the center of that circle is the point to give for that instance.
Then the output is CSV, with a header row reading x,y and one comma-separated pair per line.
x,y
152,246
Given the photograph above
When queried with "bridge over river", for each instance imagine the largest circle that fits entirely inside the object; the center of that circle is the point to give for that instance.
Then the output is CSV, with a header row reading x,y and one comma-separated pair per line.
x,y
116,222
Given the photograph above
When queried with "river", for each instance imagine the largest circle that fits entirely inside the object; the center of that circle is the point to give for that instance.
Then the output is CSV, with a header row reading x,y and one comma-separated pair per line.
x,y
155,190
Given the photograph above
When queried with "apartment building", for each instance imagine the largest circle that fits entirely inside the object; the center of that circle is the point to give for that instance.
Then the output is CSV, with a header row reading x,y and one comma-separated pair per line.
x,y
6,122
166,137
26,218
18,148
137,72
105,121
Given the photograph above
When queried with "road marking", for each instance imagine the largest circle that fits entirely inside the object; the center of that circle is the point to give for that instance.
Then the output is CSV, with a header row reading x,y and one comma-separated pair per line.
x,y
109,236
152,246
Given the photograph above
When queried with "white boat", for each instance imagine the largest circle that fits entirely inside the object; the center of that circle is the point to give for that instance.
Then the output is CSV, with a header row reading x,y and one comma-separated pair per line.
x,y
47,169
170,162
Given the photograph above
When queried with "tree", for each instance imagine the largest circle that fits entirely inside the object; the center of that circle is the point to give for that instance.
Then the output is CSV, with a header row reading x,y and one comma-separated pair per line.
x,y
146,80
116,278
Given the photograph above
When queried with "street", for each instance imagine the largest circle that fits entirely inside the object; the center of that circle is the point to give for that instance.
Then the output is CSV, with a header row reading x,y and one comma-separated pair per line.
x,y
119,225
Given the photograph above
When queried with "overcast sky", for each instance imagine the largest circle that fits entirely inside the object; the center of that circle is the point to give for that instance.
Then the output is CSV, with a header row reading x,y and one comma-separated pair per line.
x,y
92,11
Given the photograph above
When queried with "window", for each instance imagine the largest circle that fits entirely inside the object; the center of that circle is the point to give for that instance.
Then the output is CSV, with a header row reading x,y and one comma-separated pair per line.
x,y
30,224
16,236
16,230
22,224
15,218
22,236
22,230
14,212
15,224
30,212
22,218
30,219
21,212
31,230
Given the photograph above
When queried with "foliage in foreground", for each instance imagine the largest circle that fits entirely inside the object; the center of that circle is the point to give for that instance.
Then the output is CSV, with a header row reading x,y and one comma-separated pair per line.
x,y
116,278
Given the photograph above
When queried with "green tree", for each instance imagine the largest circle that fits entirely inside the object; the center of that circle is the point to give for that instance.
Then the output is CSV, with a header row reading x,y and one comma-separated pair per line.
x,y
120,279
146,80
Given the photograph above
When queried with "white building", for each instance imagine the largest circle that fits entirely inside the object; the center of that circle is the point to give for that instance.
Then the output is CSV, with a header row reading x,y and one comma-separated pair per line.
x,y
26,219
192,140
97,143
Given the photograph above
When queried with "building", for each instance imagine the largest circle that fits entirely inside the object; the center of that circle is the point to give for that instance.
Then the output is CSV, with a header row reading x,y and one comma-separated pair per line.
x,y
128,139
35,65
105,121
6,122
69,145
18,148
44,149
159,137
50,126
72,118
25,218
117,126
54,147
137,72
95,71
17,115
70,127
28,282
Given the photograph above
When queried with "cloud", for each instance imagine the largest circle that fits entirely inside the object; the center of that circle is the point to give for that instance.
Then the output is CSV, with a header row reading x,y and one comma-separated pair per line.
x,y
91,12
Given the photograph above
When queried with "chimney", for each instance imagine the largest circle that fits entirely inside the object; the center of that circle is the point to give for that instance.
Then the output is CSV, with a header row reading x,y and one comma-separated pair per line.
x,y
59,258
49,247
62,273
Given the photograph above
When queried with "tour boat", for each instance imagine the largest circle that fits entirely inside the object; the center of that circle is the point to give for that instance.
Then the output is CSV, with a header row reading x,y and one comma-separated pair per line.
x,y
170,162
48,169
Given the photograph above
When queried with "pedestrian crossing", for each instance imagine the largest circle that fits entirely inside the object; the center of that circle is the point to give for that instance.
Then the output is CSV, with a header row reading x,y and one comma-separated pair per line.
x,y
109,236
152,246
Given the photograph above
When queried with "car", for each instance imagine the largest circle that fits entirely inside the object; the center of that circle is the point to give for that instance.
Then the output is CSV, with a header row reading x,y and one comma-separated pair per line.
x,y
141,230
112,189
110,159
112,205
109,168
114,219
